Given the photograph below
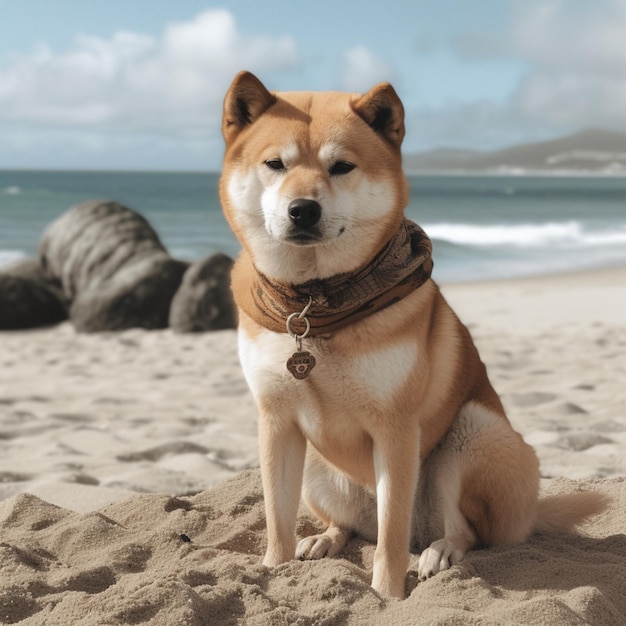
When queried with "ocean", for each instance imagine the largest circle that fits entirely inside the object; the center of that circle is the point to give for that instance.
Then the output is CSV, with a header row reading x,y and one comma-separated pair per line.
x,y
482,227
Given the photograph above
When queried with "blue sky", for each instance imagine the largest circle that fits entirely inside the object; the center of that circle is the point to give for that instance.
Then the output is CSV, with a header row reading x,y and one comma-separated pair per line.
x,y
138,84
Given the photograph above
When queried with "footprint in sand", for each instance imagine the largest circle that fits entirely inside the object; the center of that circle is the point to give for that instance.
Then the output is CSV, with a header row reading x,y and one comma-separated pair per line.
x,y
167,449
584,387
569,408
532,398
581,441
610,426
78,418
14,477
114,400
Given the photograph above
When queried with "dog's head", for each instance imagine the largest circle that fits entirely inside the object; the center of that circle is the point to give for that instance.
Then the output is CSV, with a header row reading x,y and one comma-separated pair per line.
x,y
312,183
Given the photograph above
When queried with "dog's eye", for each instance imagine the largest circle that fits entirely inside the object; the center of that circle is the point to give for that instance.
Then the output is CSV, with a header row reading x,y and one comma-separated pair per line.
x,y
341,167
275,164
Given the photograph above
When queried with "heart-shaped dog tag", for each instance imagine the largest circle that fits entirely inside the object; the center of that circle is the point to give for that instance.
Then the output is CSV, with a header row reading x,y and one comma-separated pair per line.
x,y
300,364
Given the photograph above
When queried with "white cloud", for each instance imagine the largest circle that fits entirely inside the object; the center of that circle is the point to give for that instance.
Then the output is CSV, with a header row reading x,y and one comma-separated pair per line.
x,y
362,70
133,82
568,101
147,97
482,125
565,35
575,53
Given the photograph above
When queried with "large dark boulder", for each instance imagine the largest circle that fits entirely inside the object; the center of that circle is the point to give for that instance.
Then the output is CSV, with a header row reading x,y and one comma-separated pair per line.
x,y
139,297
29,298
89,244
112,267
204,300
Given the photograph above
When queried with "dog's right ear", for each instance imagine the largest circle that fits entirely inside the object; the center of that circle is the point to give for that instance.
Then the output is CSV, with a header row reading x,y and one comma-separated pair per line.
x,y
246,99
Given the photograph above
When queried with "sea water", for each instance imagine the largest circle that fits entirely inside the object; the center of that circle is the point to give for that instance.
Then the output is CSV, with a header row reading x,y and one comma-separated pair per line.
x,y
482,227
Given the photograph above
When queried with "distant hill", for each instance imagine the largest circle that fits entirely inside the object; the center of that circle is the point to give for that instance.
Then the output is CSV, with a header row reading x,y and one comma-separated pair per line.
x,y
589,151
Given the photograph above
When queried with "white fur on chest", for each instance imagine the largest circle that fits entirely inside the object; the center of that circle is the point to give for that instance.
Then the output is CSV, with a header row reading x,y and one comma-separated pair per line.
x,y
344,391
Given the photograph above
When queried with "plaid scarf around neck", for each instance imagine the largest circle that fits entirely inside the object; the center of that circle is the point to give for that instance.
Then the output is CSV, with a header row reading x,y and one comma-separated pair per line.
x,y
403,265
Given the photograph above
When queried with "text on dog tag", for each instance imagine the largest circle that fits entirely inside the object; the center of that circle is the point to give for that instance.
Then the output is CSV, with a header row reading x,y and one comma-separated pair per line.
x,y
300,364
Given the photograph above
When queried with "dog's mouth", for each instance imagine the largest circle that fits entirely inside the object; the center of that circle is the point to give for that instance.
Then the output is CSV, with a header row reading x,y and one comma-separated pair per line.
x,y
305,237
310,236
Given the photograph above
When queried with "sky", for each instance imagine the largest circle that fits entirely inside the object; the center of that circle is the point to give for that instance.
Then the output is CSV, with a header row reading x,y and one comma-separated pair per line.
x,y
139,84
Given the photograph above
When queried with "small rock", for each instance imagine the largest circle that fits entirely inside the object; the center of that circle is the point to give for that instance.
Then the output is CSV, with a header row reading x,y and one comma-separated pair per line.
x,y
204,300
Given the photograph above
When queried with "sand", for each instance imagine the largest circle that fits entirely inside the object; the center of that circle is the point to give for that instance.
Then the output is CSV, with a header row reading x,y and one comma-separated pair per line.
x,y
115,449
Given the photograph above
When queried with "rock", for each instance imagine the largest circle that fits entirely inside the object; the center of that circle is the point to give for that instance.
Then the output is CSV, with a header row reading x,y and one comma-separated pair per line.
x,y
112,267
204,300
91,242
29,298
138,297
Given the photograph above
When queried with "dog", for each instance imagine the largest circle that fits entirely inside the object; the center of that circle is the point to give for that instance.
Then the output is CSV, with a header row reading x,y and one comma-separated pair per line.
x,y
374,405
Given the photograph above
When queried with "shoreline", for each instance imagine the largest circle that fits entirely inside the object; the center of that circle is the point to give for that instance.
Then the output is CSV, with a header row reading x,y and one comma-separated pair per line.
x,y
609,272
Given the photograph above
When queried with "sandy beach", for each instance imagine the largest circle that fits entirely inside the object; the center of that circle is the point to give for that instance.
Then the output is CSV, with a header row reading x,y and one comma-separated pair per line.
x,y
115,449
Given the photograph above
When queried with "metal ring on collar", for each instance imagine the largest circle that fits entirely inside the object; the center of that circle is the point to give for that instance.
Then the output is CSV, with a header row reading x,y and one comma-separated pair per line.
x,y
306,330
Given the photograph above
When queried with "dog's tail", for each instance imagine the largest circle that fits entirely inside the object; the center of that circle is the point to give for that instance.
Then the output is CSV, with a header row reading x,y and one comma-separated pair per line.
x,y
564,513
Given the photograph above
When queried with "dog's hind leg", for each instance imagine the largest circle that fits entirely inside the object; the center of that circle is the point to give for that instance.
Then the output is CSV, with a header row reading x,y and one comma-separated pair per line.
x,y
346,507
484,481
458,536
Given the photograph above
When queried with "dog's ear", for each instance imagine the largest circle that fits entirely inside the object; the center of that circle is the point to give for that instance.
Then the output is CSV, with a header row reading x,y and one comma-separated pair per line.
x,y
246,99
382,109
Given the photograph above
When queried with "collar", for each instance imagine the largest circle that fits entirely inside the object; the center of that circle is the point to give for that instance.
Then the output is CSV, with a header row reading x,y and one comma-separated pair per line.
x,y
403,265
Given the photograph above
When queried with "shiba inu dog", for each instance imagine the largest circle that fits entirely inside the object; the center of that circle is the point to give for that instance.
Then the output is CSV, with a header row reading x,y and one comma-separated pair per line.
x,y
373,402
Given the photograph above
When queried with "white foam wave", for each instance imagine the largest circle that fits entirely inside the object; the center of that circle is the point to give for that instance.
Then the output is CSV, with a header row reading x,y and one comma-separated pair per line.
x,y
12,191
10,256
568,234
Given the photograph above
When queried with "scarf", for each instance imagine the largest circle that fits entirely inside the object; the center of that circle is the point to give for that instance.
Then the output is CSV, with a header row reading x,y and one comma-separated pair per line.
x,y
403,265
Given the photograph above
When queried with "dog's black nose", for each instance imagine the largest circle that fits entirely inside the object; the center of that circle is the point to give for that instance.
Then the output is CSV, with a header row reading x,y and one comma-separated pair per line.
x,y
304,213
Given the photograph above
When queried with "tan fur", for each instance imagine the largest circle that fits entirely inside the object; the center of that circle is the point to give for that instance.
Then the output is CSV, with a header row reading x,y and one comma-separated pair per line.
x,y
397,434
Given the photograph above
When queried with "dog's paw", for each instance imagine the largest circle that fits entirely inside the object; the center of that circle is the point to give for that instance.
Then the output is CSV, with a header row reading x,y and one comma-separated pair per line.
x,y
325,545
441,555
314,547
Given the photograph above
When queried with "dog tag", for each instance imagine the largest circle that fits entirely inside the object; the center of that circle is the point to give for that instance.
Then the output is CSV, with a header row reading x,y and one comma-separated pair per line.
x,y
300,364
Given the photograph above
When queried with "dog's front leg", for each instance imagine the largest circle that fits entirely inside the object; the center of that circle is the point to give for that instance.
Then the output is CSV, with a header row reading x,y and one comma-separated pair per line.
x,y
396,464
282,450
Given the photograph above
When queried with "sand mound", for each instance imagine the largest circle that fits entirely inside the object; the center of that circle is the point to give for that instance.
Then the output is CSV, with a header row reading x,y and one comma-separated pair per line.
x,y
155,559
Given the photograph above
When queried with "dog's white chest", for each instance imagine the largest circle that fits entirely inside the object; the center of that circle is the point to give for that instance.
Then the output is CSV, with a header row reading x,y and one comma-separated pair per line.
x,y
339,405
341,385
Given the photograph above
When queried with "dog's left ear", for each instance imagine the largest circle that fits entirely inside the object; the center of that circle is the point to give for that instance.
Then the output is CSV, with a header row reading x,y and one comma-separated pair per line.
x,y
246,99
382,109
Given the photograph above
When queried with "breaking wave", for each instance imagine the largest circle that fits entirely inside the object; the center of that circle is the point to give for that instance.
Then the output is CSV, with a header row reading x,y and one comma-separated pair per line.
x,y
568,234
